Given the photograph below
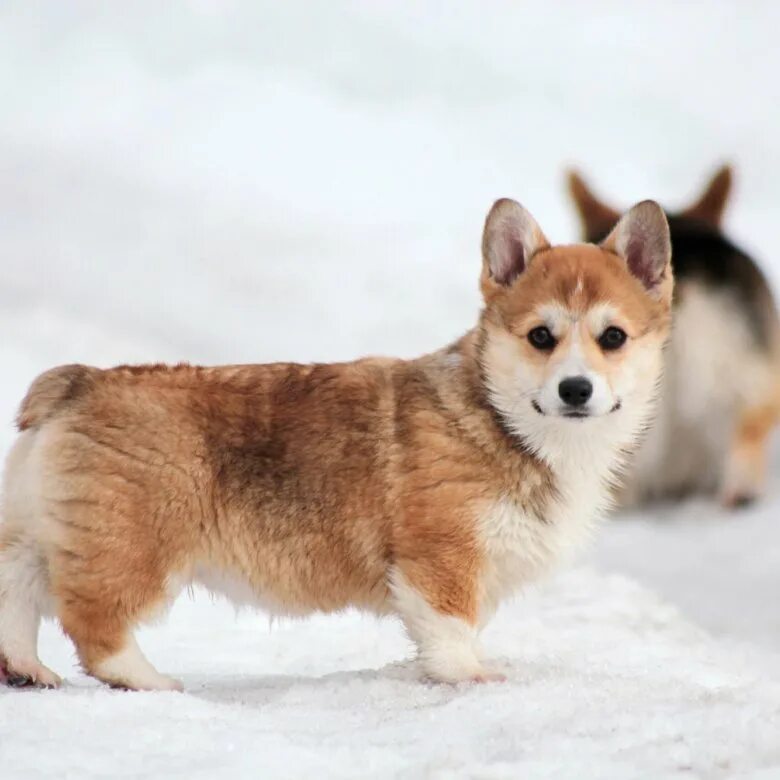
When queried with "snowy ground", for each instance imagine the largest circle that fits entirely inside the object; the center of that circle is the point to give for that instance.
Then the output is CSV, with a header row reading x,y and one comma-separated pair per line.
x,y
223,182
605,681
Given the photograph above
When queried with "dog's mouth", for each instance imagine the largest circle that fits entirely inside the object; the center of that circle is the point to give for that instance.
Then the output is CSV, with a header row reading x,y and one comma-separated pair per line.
x,y
575,414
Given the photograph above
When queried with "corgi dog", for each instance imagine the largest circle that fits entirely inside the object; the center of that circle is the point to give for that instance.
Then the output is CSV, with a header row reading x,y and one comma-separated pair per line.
x,y
721,386
429,488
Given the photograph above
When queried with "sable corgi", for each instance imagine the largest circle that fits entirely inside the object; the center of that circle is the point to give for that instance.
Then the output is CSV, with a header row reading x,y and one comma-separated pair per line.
x,y
721,391
430,488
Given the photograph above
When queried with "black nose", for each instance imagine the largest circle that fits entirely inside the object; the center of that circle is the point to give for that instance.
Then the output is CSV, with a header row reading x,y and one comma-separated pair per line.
x,y
575,391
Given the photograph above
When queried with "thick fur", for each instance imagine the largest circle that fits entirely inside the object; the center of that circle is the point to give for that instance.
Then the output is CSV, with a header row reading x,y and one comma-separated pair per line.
x,y
431,488
721,386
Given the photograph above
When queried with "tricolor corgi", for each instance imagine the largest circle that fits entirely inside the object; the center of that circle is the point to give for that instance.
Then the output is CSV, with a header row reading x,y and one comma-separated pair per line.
x,y
721,391
430,488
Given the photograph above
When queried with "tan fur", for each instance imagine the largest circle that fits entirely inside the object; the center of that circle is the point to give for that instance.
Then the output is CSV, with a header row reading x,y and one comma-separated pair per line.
x,y
50,391
318,486
304,480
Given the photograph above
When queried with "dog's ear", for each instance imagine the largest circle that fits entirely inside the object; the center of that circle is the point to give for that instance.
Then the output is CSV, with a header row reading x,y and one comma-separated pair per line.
x,y
511,238
595,216
641,238
712,202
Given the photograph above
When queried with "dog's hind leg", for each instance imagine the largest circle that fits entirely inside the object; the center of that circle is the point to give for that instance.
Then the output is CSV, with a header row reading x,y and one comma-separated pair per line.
x,y
24,594
746,463
108,650
102,594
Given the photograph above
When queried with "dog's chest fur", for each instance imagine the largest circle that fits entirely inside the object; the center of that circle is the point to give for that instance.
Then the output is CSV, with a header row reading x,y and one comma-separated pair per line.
x,y
521,542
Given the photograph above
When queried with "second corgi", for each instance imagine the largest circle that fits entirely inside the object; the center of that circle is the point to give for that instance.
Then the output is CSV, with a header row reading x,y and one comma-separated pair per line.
x,y
721,392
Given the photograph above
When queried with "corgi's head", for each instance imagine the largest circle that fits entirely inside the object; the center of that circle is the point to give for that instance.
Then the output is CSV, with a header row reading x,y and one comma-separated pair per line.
x,y
572,336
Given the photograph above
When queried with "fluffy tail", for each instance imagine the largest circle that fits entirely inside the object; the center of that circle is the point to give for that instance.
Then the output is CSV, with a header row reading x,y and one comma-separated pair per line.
x,y
51,391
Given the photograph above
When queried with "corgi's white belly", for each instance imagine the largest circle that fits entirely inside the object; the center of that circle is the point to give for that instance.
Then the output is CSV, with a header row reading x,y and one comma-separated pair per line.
x,y
240,592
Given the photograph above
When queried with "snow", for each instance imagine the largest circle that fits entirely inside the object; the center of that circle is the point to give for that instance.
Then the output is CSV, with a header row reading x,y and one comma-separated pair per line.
x,y
222,182
605,680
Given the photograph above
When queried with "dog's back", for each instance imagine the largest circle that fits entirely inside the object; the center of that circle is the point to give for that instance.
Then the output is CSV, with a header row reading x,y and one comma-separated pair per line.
x,y
721,391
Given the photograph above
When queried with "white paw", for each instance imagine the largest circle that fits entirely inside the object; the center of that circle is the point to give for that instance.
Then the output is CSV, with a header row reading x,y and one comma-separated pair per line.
x,y
169,684
158,682
741,486
130,669
738,496
453,662
467,674
488,677
23,674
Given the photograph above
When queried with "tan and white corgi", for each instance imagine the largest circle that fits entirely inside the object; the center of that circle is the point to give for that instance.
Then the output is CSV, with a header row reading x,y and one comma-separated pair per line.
x,y
430,488
721,391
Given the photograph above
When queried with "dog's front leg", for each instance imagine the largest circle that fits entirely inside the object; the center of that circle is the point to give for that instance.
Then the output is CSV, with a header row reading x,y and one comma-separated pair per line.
x,y
439,610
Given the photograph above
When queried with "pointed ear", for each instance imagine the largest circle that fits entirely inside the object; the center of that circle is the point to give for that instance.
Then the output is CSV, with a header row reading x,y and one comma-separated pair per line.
x,y
712,202
511,238
641,238
595,216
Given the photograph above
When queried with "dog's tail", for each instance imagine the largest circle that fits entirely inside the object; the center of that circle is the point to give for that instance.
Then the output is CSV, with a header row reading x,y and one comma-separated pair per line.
x,y
53,390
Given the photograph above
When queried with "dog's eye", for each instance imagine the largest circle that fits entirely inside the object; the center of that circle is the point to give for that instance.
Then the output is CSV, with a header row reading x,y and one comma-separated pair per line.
x,y
541,338
612,338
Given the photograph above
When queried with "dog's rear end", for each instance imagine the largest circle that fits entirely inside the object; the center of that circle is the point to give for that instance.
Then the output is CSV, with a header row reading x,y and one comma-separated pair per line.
x,y
721,391
24,585
58,479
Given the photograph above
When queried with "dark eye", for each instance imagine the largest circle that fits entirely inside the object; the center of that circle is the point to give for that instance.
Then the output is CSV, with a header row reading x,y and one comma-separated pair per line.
x,y
541,338
612,338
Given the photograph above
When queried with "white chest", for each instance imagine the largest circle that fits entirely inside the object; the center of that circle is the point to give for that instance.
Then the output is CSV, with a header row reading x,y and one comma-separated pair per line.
x,y
520,547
